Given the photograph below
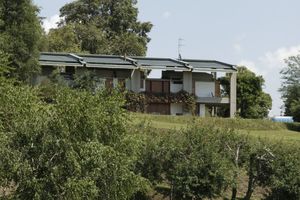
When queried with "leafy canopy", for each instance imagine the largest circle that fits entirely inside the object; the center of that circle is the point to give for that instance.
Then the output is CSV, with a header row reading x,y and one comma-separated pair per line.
x,y
102,27
290,88
252,101
20,33
65,149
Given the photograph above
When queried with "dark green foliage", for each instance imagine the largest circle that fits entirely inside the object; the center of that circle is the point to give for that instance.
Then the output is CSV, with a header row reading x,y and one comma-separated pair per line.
x,y
66,149
20,34
101,27
4,64
190,161
252,101
88,81
285,176
291,87
201,170
63,40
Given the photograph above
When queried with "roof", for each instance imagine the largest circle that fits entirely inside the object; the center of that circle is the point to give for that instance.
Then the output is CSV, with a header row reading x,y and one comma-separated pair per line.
x,y
209,64
132,62
58,59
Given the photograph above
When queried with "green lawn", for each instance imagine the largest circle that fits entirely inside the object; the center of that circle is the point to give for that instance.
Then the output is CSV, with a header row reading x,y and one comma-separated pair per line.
x,y
257,128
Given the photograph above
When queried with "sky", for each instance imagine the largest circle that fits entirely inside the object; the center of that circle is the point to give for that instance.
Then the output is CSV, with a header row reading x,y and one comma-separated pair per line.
x,y
254,33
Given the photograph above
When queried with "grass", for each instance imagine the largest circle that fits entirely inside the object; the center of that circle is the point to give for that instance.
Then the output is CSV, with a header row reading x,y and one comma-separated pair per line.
x,y
257,128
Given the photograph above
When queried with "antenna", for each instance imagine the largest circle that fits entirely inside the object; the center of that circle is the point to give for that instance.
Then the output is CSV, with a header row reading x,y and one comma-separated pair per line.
x,y
180,45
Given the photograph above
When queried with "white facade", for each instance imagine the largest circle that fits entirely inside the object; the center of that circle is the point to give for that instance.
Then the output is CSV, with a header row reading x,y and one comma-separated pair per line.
x,y
202,110
175,87
205,89
176,109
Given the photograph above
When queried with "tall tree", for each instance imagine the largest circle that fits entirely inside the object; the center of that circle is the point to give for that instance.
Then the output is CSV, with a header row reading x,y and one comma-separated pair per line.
x,y
20,33
252,101
63,39
290,89
105,26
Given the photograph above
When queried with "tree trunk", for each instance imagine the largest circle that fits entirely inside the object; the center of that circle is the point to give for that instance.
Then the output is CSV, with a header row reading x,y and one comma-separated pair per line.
x,y
251,181
236,174
233,194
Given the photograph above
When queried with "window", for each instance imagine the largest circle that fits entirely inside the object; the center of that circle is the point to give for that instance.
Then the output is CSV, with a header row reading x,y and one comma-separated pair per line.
x,y
177,81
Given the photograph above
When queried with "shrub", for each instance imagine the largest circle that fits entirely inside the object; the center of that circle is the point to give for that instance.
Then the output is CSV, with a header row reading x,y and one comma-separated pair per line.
x,y
66,149
285,178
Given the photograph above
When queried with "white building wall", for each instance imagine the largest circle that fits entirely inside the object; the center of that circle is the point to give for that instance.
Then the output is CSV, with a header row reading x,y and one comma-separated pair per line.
x,y
176,87
176,109
188,82
202,110
205,89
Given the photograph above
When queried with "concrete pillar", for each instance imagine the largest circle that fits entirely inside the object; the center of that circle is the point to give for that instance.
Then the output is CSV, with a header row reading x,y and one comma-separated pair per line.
x,y
233,94
202,110
115,82
136,80
188,82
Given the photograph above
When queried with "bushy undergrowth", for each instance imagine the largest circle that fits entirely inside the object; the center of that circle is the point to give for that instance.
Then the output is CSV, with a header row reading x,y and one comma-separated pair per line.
x,y
66,149
204,162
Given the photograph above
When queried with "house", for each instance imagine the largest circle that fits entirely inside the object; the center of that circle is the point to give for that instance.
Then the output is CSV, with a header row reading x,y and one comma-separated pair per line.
x,y
197,77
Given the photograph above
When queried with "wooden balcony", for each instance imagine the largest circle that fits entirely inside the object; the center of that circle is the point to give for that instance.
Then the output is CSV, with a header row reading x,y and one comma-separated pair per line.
x,y
157,86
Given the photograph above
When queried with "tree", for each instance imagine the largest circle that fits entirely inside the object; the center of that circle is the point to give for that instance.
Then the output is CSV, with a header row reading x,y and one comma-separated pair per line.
x,y
20,33
284,179
103,27
66,149
252,101
63,40
290,88
4,64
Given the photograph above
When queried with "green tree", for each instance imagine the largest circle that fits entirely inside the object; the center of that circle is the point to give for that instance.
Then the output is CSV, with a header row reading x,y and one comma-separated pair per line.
x,y
63,40
252,101
20,33
65,149
283,179
4,64
104,27
290,89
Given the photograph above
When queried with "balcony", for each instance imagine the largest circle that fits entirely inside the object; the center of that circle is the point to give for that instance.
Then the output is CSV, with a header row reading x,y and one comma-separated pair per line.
x,y
159,86
213,100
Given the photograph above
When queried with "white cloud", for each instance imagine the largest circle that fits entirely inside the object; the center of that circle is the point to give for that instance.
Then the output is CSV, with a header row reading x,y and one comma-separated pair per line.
x,y
167,14
276,59
269,65
51,22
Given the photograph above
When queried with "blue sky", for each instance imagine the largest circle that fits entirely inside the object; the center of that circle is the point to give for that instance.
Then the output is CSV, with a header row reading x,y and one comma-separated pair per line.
x,y
258,34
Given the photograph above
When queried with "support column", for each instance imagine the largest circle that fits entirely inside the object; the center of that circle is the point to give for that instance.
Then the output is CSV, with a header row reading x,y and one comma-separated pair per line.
x,y
233,77
188,82
136,80
202,110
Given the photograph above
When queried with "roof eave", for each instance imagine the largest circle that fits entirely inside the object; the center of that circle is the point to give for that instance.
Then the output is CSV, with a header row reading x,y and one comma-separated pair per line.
x,y
60,64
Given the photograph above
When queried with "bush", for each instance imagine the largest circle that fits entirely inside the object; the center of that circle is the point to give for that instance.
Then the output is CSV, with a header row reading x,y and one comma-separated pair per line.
x,y
285,178
189,161
66,149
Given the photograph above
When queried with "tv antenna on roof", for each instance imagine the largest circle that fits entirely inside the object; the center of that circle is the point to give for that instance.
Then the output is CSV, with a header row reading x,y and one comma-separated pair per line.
x,y
180,45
